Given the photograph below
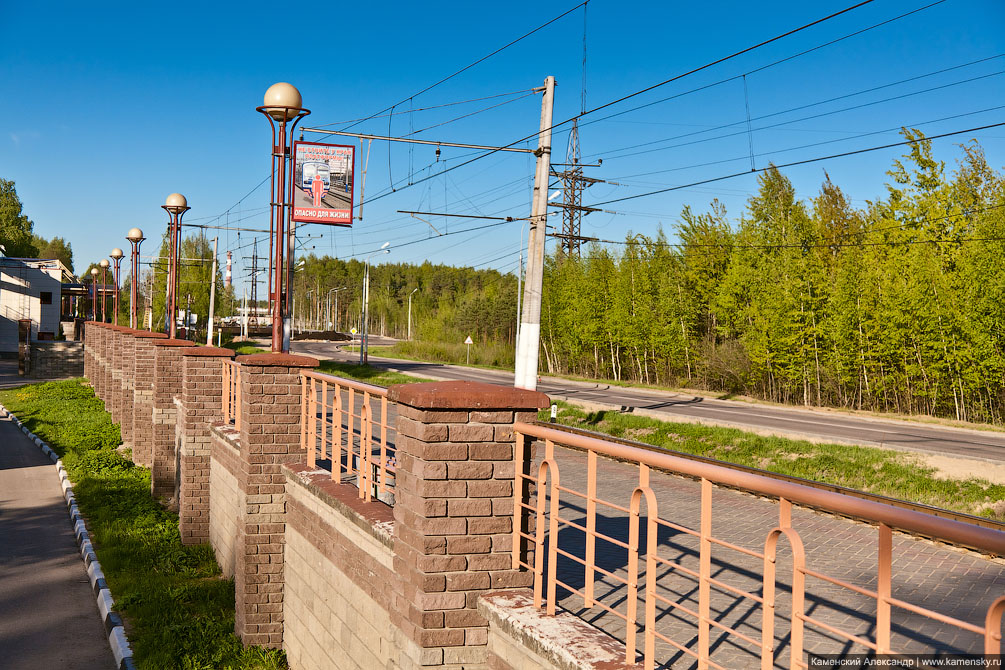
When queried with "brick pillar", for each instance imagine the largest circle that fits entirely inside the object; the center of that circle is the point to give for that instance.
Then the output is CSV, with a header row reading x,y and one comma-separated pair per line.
x,y
270,437
143,397
128,375
114,401
99,359
89,351
453,514
201,406
167,373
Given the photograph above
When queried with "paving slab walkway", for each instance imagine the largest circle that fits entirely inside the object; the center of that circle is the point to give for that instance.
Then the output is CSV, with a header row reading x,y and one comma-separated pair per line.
x,y
48,614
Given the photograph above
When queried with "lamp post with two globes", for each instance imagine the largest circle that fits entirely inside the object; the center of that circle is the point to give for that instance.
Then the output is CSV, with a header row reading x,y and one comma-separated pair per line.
x,y
282,107
116,257
175,206
135,237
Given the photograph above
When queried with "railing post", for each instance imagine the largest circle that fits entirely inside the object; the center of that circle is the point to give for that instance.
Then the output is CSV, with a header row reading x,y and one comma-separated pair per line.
x,y
201,404
453,513
269,415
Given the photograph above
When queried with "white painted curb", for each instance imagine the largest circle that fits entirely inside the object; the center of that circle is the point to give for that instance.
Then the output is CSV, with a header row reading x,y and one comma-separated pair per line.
x,y
112,621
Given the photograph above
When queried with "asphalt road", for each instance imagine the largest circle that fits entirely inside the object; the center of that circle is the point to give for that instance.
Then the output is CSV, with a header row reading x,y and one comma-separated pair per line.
x,y
822,425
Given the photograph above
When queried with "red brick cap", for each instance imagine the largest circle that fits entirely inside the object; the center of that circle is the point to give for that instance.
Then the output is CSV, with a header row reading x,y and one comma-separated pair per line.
x,y
121,329
150,334
208,351
279,360
173,343
465,395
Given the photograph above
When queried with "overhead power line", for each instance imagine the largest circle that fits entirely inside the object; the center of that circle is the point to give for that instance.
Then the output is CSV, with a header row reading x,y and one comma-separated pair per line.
x,y
473,64
794,163
636,93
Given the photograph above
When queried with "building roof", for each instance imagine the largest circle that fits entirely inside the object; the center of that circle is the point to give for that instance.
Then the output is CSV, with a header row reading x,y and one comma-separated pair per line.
x,y
67,277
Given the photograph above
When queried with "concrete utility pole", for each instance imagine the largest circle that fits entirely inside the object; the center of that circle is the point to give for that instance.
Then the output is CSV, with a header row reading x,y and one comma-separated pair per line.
x,y
530,325
212,296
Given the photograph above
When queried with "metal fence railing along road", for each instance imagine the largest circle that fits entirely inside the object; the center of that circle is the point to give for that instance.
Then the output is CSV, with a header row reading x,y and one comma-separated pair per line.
x,y
231,409
598,525
345,427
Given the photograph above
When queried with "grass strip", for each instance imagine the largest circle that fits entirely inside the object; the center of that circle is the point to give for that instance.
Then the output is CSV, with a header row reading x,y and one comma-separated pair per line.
x,y
178,608
243,347
369,374
879,471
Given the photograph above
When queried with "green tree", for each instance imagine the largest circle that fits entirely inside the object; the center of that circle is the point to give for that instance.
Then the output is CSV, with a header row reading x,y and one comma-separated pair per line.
x,y
15,228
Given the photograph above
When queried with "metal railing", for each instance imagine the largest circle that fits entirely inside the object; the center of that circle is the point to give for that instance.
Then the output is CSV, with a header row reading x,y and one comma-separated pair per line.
x,y
346,423
232,393
538,521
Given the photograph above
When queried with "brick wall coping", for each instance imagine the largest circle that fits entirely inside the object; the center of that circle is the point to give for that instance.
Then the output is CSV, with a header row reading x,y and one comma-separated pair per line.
x,y
95,323
566,640
150,334
465,395
173,343
121,329
374,517
208,351
279,360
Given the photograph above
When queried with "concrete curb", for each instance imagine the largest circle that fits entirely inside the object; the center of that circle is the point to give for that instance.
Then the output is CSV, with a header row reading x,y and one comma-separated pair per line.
x,y
112,621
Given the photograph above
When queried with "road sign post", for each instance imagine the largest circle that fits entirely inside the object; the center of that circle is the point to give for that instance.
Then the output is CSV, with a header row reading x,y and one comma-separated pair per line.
x,y
468,342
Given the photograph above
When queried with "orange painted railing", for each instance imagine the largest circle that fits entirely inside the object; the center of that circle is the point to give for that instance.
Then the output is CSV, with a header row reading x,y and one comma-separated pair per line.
x,y
346,422
232,393
538,520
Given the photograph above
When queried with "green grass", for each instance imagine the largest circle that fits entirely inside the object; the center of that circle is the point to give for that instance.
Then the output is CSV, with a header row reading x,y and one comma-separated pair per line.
x,y
178,608
242,347
368,374
494,356
879,471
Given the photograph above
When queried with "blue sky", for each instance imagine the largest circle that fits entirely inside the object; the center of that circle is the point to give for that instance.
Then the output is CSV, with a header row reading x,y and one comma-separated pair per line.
x,y
110,108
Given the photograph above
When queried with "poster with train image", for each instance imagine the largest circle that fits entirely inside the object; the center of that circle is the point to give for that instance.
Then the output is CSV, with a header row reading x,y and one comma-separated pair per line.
x,y
323,183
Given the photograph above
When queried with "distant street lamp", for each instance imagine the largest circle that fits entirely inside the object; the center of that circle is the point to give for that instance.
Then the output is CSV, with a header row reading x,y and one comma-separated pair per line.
x,y
364,342
282,105
410,313
104,287
117,261
135,237
94,294
176,205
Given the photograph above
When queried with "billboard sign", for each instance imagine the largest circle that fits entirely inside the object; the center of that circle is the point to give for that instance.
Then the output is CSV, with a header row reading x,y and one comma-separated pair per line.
x,y
323,183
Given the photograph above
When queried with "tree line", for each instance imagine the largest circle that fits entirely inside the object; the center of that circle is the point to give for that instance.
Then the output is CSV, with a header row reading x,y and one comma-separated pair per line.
x,y
895,306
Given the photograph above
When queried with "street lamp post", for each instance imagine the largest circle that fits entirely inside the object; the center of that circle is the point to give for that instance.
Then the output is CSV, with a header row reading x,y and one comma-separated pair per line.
x,y
410,313
104,287
135,237
282,106
94,294
175,206
366,301
117,261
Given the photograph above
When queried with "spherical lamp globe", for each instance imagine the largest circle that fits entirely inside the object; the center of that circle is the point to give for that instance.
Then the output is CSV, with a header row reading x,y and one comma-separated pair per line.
x,y
116,253
94,272
103,263
134,235
282,101
176,203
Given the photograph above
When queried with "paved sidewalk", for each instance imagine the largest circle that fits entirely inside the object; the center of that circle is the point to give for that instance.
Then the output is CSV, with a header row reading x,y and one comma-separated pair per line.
x,y
48,614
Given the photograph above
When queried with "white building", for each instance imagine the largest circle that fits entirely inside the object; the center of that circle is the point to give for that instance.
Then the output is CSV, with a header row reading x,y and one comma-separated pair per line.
x,y
30,289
